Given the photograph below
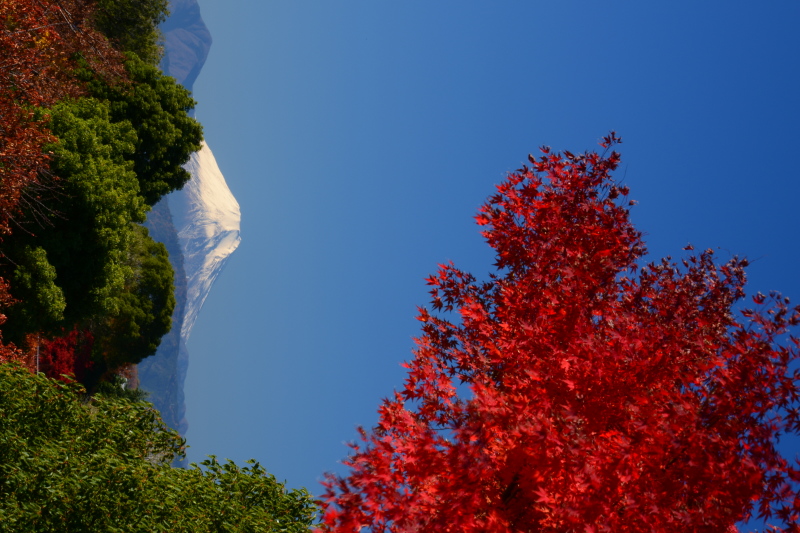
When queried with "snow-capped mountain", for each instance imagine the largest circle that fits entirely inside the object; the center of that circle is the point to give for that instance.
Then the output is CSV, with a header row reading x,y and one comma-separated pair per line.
x,y
199,226
207,218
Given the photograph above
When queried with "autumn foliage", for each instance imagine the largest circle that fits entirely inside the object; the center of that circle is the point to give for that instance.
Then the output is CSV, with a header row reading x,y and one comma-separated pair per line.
x,y
578,390
7,353
40,41
92,134
68,355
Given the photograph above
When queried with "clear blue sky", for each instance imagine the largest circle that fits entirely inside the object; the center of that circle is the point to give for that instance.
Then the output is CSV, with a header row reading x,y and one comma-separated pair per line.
x,y
360,137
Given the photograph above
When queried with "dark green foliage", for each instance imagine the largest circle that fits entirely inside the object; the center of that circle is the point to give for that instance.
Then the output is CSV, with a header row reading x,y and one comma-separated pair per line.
x,y
68,466
132,25
117,153
77,258
143,309
90,264
227,497
34,280
157,107
87,227
91,233
115,388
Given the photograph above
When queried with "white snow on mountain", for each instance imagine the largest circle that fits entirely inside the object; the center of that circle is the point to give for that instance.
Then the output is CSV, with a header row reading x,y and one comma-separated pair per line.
x,y
207,219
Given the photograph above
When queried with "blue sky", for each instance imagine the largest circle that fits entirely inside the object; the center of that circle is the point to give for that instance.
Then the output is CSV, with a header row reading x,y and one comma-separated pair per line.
x,y
360,137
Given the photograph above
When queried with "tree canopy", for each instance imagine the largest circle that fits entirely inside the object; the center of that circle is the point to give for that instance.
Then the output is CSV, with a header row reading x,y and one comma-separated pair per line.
x,y
143,309
40,43
158,109
92,149
69,465
85,225
132,25
578,390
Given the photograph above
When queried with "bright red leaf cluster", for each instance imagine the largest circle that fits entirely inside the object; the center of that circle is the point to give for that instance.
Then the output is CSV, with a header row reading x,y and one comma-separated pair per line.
x,y
68,355
578,391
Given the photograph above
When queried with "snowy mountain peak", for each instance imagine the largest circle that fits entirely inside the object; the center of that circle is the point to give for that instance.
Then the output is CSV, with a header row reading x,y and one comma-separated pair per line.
x,y
207,219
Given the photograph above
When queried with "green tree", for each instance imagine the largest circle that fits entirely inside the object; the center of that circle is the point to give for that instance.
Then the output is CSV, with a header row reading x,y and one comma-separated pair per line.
x,y
87,261
86,226
158,109
132,25
35,283
78,258
143,310
103,465
115,387
91,231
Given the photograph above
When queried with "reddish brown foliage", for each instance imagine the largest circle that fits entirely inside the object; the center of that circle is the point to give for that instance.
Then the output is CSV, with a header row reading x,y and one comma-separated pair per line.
x,y
131,373
69,355
600,395
39,43
7,352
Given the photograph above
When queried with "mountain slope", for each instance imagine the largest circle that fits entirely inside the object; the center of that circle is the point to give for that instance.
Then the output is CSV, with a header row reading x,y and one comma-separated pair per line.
x,y
207,219
199,225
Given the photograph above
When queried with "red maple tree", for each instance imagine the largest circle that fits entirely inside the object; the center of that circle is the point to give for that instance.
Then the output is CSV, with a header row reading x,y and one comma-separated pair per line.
x,y
577,390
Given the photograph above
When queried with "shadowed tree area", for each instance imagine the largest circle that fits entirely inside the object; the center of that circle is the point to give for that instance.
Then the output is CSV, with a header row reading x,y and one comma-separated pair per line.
x,y
132,25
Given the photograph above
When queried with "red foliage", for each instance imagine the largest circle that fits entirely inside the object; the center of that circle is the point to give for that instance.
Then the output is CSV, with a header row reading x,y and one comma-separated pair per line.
x,y
599,395
67,355
39,41
7,352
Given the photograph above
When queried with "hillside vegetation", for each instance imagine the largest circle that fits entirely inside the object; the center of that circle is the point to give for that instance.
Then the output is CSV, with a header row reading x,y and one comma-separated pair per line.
x,y
92,135
68,465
